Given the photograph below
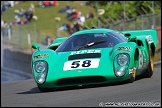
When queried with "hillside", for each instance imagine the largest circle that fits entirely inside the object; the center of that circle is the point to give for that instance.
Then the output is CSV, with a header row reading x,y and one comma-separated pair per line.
x,y
46,16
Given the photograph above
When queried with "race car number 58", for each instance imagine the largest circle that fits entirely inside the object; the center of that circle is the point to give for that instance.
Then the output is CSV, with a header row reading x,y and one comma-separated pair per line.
x,y
81,64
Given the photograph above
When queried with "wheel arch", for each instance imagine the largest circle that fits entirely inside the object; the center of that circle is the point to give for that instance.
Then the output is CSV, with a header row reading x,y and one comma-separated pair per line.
x,y
152,46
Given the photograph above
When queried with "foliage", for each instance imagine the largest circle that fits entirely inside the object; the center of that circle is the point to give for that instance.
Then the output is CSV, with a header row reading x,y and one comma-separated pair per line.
x,y
114,10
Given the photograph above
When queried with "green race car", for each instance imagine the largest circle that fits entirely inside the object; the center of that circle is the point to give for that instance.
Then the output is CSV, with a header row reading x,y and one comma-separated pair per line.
x,y
95,56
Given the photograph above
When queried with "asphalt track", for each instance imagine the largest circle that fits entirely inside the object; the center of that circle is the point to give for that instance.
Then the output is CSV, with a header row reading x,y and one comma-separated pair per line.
x,y
24,93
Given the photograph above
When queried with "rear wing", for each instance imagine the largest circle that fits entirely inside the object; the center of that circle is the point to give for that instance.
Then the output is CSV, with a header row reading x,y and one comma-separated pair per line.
x,y
150,32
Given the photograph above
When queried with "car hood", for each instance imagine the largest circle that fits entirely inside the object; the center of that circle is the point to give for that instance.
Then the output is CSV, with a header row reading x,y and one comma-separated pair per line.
x,y
91,62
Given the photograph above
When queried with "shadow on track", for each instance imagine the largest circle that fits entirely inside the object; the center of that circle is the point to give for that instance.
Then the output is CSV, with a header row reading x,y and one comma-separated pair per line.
x,y
36,90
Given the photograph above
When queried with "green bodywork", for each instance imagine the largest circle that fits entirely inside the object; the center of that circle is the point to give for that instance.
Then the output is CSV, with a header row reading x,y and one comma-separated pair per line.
x,y
56,76
57,42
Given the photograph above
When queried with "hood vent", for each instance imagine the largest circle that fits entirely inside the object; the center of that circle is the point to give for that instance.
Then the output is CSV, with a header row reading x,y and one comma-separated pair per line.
x,y
82,56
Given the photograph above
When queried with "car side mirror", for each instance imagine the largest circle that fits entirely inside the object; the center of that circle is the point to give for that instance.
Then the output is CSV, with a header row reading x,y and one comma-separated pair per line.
x,y
35,46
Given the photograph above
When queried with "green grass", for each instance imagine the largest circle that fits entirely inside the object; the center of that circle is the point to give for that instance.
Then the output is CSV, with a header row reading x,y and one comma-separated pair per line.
x,y
45,24
46,16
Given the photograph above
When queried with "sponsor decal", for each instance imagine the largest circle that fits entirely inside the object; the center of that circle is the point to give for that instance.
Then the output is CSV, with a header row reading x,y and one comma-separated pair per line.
x,y
85,51
41,56
149,39
131,71
128,49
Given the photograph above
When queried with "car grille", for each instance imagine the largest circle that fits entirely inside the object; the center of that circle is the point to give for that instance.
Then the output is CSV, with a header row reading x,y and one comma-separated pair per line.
x,y
81,80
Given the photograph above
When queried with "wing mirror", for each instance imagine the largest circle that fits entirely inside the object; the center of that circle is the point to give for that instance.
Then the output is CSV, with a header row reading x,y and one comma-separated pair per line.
x,y
35,46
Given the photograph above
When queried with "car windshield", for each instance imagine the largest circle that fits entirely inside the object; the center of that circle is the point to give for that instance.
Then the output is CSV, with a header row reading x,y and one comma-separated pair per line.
x,y
91,40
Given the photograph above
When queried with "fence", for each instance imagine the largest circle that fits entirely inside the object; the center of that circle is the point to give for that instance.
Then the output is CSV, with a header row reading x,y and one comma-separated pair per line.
x,y
138,23
21,37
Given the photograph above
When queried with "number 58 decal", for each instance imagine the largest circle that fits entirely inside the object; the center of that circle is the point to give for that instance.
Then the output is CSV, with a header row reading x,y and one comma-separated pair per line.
x,y
81,64
85,63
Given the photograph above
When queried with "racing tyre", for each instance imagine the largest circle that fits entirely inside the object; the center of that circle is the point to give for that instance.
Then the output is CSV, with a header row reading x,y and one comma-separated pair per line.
x,y
132,79
149,71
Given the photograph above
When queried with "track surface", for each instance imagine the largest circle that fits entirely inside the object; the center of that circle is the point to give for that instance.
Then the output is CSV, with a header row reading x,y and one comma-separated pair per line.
x,y
24,93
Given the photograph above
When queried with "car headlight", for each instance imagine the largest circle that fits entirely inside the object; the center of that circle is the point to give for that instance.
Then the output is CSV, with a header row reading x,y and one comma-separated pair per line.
x,y
41,71
41,66
123,59
41,78
120,71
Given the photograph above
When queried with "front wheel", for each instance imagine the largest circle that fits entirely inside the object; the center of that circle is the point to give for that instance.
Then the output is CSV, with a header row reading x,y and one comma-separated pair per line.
x,y
133,77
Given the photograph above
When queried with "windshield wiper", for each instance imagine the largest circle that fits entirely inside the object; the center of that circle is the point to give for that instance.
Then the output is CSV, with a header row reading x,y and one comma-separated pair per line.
x,y
91,44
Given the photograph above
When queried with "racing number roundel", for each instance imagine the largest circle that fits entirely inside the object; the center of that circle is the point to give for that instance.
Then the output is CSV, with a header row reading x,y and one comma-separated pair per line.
x,y
81,64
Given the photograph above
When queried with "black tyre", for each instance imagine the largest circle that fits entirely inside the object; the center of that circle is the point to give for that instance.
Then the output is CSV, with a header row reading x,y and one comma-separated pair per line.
x,y
149,71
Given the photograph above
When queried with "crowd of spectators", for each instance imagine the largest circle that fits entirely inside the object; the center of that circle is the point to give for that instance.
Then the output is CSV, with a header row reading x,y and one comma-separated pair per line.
x,y
6,27
22,16
44,4
27,15
75,16
8,4
72,14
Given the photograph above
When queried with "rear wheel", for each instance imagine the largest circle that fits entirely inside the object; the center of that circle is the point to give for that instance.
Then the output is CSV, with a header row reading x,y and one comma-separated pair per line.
x,y
149,71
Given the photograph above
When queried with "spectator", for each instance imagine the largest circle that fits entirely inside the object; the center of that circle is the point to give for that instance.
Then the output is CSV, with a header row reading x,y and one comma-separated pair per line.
x,y
30,16
11,3
2,23
7,3
24,21
47,40
53,3
63,27
77,26
67,6
17,20
32,7
75,15
90,15
3,8
82,19
69,13
69,29
46,3
41,4
65,10
4,29
21,12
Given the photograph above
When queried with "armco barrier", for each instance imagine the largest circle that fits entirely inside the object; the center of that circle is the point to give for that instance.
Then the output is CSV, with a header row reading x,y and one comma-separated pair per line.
x,y
159,33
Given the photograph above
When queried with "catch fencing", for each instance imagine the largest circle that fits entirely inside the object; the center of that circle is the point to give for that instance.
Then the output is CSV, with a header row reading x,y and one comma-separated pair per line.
x,y
142,22
22,37
19,36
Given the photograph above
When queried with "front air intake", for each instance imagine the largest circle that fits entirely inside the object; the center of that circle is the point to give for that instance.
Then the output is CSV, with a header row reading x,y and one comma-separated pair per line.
x,y
81,80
